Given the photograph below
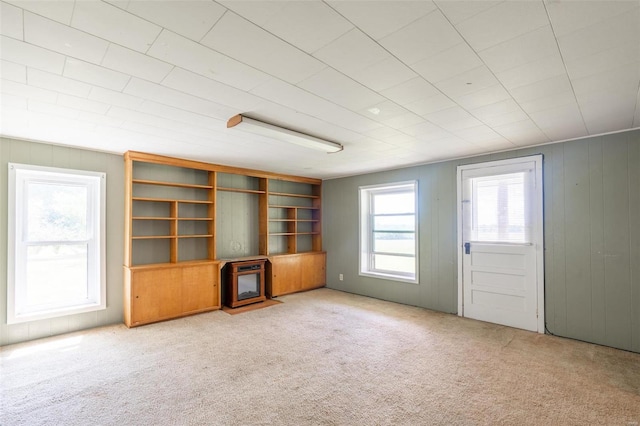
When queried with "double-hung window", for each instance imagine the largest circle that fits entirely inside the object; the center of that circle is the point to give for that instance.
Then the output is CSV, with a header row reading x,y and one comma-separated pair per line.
x,y
56,253
388,231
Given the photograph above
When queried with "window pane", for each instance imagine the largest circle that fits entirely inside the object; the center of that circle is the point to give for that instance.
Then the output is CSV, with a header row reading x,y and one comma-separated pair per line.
x,y
394,203
394,223
499,208
56,212
404,265
56,274
388,242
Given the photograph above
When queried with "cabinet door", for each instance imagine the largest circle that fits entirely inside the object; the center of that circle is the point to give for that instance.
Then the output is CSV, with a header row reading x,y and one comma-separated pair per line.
x,y
199,287
155,295
285,275
312,268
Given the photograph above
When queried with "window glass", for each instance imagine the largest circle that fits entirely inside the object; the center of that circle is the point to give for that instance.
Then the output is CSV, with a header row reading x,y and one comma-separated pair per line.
x,y
388,246
499,208
57,242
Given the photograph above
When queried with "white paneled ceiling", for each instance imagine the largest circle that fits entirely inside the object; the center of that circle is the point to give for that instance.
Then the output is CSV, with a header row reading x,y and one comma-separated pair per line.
x,y
396,82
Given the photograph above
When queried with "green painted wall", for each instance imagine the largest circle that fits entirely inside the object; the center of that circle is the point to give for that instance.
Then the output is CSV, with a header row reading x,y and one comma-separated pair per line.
x,y
592,237
15,151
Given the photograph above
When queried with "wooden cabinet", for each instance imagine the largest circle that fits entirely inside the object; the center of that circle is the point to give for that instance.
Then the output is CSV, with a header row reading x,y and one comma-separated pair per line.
x,y
162,292
292,273
183,219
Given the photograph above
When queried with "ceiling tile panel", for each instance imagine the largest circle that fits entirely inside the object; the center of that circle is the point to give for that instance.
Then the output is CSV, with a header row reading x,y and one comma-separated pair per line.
x,y
410,91
113,24
453,118
257,11
552,101
385,74
500,113
154,92
194,84
12,102
542,69
32,56
382,18
52,109
607,115
82,104
14,72
298,99
95,74
340,89
242,40
461,10
617,81
11,21
422,38
569,16
425,131
502,22
46,80
136,64
483,97
190,18
601,36
187,117
455,60
308,25
537,44
522,133
185,53
114,98
59,10
605,60
542,88
431,104
566,116
60,38
30,92
352,52
467,82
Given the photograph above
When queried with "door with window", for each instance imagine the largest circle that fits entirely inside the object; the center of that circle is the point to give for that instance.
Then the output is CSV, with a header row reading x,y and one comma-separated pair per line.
x,y
501,243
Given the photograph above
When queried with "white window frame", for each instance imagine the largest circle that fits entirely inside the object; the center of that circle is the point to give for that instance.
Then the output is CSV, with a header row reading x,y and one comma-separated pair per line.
x,y
366,267
95,182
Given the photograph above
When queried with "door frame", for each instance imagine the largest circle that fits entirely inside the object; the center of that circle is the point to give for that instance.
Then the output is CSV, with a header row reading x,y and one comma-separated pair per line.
x,y
538,228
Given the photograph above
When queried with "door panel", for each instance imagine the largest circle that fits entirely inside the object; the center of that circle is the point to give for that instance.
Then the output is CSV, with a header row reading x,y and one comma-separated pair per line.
x,y
500,236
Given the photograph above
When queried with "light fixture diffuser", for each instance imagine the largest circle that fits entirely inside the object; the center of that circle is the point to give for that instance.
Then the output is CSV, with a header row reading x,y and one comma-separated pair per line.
x,y
279,133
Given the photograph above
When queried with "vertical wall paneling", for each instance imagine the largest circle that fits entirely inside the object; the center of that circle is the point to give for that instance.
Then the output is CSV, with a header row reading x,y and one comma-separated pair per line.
x,y
558,289
596,236
577,241
16,151
634,235
591,230
616,241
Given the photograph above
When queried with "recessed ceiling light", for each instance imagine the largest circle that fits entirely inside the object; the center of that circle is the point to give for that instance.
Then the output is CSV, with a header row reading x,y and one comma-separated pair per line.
x,y
375,111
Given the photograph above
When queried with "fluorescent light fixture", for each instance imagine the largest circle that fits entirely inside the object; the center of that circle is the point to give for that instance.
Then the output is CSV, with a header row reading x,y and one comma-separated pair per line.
x,y
282,134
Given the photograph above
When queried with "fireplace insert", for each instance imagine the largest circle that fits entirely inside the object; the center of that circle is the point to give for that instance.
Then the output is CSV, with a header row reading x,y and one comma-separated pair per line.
x,y
245,283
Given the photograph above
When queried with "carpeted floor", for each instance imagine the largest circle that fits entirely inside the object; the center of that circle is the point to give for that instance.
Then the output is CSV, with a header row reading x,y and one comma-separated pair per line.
x,y
320,358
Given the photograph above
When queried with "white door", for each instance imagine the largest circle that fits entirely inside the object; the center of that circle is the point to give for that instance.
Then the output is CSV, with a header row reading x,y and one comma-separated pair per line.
x,y
500,261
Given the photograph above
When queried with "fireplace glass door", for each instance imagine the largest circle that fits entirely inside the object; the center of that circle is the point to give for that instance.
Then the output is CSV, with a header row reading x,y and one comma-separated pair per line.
x,y
248,286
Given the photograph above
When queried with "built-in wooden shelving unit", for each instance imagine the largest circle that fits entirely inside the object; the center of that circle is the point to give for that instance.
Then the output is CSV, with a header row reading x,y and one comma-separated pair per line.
x,y
185,219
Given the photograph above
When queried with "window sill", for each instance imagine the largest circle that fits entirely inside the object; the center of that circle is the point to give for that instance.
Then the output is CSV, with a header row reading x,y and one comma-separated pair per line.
x,y
390,277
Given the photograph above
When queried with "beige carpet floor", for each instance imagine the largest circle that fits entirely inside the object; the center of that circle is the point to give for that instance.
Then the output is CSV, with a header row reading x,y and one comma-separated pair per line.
x,y
320,358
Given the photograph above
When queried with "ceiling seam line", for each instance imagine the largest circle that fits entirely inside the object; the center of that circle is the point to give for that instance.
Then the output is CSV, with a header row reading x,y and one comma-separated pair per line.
x,y
564,65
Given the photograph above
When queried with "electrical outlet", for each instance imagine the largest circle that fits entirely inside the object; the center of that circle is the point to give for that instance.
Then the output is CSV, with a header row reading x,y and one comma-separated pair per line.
x,y
341,277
